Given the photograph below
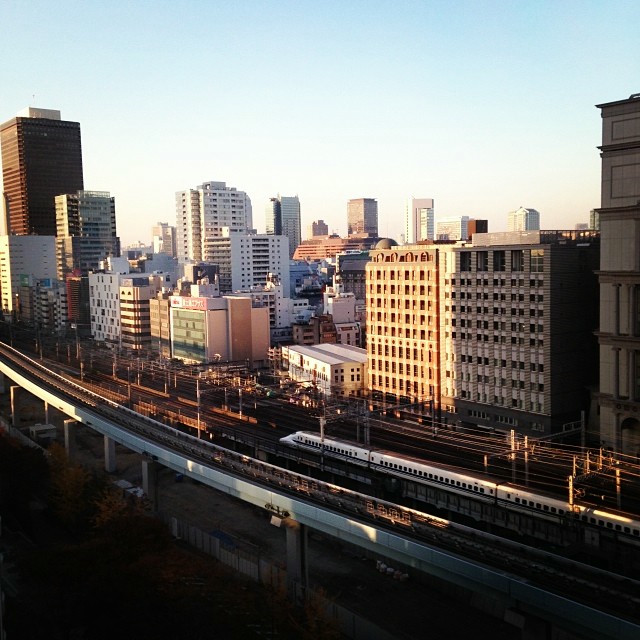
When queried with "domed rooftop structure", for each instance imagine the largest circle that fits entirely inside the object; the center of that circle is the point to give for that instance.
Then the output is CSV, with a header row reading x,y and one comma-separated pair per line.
x,y
386,243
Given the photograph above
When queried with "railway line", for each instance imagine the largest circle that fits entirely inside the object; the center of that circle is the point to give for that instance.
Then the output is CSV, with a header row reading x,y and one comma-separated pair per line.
x,y
575,581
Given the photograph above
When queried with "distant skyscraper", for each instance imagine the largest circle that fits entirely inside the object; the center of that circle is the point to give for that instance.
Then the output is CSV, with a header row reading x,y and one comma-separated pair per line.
x,y
454,228
318,228
419,220
594,219
523,220
41,158
282,218
362,216
211,211
164,239
85,230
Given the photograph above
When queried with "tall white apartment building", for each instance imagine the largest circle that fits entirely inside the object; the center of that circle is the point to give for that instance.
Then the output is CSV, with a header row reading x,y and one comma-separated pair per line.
x,y
24,256
202,214
247,260
454,228
104,306
523,219
419,220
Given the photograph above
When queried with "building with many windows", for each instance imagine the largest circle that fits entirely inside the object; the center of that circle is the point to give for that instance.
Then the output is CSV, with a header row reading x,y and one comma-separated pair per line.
x,y
318,228
362,216
41,158
419,220
282,218
619,222
523,316
247,260
163,239
409,308
85,231
23,257
454,228
206,213
523,219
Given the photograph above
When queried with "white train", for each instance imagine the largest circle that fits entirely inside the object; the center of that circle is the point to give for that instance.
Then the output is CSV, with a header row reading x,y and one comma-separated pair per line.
x,y
511,496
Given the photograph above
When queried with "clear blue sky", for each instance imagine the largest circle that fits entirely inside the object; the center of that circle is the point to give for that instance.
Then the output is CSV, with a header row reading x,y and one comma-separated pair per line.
x,y
483,106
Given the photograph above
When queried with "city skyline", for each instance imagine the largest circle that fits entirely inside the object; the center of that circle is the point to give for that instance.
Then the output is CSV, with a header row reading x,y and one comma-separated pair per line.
x,y
476,119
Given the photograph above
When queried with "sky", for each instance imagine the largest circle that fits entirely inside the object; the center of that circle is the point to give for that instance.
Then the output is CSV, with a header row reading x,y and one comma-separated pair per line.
x,y
483,106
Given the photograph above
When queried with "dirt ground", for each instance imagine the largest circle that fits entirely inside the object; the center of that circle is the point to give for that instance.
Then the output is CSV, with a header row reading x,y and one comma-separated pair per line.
x,y
409,610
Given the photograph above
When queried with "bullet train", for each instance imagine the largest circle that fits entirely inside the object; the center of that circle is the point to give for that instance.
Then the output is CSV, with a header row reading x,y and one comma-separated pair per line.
x,y
508,495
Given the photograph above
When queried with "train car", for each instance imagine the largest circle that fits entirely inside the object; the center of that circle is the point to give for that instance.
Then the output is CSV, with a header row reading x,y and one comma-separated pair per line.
x,y
334,447
513,497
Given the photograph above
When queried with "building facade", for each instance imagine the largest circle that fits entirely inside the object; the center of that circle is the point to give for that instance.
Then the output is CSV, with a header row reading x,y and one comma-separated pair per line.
x,y
41,158
318,228
524,313
247,260
20,257
454,228
419,220
163,239
206,213
362,216
85,231
523,219
282,218
619,221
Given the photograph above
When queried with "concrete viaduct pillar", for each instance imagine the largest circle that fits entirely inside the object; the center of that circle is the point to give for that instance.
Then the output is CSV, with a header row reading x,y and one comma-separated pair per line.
x,y
297,548
70,437
109,455
46,413
150,470
15,393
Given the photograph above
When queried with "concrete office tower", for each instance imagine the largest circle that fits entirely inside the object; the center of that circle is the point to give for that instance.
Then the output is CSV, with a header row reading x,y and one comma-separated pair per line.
x,y
362,216
523,220
455,228
41,158
85,230
202,214
247,260
318,228
524,309
619,334
21,257
282,217
164,239
419,220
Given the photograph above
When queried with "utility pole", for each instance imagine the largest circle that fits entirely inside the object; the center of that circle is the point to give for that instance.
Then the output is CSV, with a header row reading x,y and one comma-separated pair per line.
x,y
198,399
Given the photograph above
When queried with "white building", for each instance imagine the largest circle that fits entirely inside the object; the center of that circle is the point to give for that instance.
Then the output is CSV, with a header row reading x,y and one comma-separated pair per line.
x,y
163,239
247,260
206,213
419,220
336,369
523,220
455,228
341,306
104,306
24,256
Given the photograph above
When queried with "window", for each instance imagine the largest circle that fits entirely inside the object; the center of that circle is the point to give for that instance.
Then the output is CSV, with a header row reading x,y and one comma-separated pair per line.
x,y
498,260
537,260
482,258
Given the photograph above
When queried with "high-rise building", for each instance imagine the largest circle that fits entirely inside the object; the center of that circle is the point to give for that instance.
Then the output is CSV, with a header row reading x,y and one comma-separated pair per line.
x,y
246,260
282,217
41,158
477,226
419,220
362,216
318,228
523,219
455,228
164,239
619,219
20,258
206,213
85,230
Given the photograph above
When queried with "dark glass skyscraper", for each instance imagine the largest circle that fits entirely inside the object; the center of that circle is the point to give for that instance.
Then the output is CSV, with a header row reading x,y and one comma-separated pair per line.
x,y
41,158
